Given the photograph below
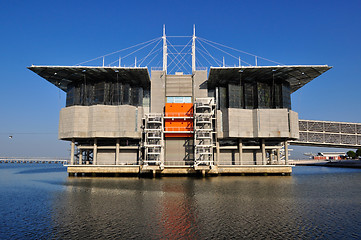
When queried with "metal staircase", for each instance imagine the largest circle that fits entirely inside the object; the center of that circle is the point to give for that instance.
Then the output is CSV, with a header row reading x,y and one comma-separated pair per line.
x,y
153,140
204,122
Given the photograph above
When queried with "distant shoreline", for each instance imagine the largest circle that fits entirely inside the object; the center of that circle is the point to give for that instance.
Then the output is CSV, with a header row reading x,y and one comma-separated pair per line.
x,y
322,163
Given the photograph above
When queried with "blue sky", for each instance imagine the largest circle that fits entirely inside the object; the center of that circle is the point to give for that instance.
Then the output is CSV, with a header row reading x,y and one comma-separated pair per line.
x,y
69,32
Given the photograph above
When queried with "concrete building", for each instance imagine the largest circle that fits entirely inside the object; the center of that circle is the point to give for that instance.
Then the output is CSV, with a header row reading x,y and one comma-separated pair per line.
x,y
228,120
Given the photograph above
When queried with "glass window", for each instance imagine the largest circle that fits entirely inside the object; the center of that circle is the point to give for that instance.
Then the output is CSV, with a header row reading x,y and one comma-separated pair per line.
x,y
117,93
264,95
126,94
99,93
105,93
234,96
179,99
277,95
286,95
249,96
146,98
222,97
70,96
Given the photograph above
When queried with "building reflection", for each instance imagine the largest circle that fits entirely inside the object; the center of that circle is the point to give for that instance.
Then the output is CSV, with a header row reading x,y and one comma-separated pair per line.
x,y
174,207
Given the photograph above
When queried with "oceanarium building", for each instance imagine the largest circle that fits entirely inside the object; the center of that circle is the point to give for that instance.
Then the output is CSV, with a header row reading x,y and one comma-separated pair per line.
x,y
221,120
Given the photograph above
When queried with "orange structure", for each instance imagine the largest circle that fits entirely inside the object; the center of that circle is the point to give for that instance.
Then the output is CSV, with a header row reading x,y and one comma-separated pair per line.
x,y
178,118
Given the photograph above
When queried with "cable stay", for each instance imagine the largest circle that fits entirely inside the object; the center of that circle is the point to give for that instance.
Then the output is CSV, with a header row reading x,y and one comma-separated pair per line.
x,y
180,56
121,50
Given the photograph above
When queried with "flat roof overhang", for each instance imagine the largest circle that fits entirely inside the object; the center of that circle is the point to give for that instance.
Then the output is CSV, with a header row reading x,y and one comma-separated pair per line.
x,y
61,76
297,75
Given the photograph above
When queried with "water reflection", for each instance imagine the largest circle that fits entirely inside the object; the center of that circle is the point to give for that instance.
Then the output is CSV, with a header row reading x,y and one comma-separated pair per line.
x,y
312,203
303,206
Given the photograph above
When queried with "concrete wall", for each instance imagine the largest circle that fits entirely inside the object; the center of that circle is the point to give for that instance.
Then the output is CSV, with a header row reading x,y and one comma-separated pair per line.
x,y
259,123
178,86
178,151
126,157
200,84
100,121
157,94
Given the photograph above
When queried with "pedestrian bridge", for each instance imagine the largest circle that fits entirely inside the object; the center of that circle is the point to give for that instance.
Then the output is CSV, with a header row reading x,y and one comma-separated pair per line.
x,y
32,160
329,134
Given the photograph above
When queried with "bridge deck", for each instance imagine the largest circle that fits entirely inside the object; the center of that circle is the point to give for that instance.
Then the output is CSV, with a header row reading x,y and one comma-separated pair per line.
x,y
329,134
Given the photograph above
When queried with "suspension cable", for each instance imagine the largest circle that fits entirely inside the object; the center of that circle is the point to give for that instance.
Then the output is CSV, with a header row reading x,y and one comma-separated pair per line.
x,y
154,39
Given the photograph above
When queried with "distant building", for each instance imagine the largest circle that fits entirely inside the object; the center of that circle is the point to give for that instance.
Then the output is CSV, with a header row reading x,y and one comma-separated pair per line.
x,y
330,156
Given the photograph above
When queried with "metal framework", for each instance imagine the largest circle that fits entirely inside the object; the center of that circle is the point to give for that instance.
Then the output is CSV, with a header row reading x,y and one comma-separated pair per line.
x,y
153,140
329,134
204,122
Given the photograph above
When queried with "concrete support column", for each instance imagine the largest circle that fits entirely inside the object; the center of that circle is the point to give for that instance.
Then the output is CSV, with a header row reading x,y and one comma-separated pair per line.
x,y
95,151
278,156
272,156
117,152
286,153
218,152
240,151
263,148
80,157
72,150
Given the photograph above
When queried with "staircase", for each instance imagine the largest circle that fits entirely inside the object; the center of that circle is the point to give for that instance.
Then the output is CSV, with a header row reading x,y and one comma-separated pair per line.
x,y
153,140
204,133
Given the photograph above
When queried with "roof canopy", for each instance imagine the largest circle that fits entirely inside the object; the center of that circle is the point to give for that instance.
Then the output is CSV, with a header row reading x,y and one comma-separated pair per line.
x,y
297,76
61,76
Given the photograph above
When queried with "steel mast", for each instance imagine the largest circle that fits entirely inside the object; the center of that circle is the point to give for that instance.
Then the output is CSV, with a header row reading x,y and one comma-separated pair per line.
x,y
165,54
194,49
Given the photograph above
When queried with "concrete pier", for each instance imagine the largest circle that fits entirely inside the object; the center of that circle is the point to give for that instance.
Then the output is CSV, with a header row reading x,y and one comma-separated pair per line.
x,y
154,171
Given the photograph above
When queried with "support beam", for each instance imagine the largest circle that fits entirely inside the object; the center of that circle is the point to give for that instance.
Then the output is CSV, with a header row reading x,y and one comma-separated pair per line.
x,y
218,152
263,148
286,153
117,152
95,151
80,157
278,157
72,150
240,151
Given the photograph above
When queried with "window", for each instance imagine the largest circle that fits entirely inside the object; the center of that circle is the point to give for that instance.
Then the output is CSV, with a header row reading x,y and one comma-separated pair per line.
x,y
179,99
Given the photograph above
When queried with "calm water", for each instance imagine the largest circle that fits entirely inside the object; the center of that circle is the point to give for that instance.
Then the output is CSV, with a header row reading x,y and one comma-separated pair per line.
x,y
41,202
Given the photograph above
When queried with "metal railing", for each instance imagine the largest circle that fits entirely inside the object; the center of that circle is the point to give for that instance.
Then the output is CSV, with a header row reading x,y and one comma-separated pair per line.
x,y
178,129
181,115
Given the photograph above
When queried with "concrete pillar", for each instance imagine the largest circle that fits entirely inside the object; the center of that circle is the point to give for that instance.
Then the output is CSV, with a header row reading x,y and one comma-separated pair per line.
x,y
95,151
80,157
272,156
263,148
218,152
286,153
72,149
278,157
240,151
117,152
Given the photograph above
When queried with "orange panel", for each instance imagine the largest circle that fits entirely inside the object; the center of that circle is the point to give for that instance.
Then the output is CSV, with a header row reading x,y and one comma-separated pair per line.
x,y
178,109
178,124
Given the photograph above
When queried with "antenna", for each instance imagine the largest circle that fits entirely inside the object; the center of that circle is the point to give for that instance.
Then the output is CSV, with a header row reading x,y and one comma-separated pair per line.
x,y
194,49
164,50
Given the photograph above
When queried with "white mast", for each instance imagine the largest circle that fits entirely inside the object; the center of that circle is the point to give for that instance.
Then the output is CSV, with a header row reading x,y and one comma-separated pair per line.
x,y
194,49
164,50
